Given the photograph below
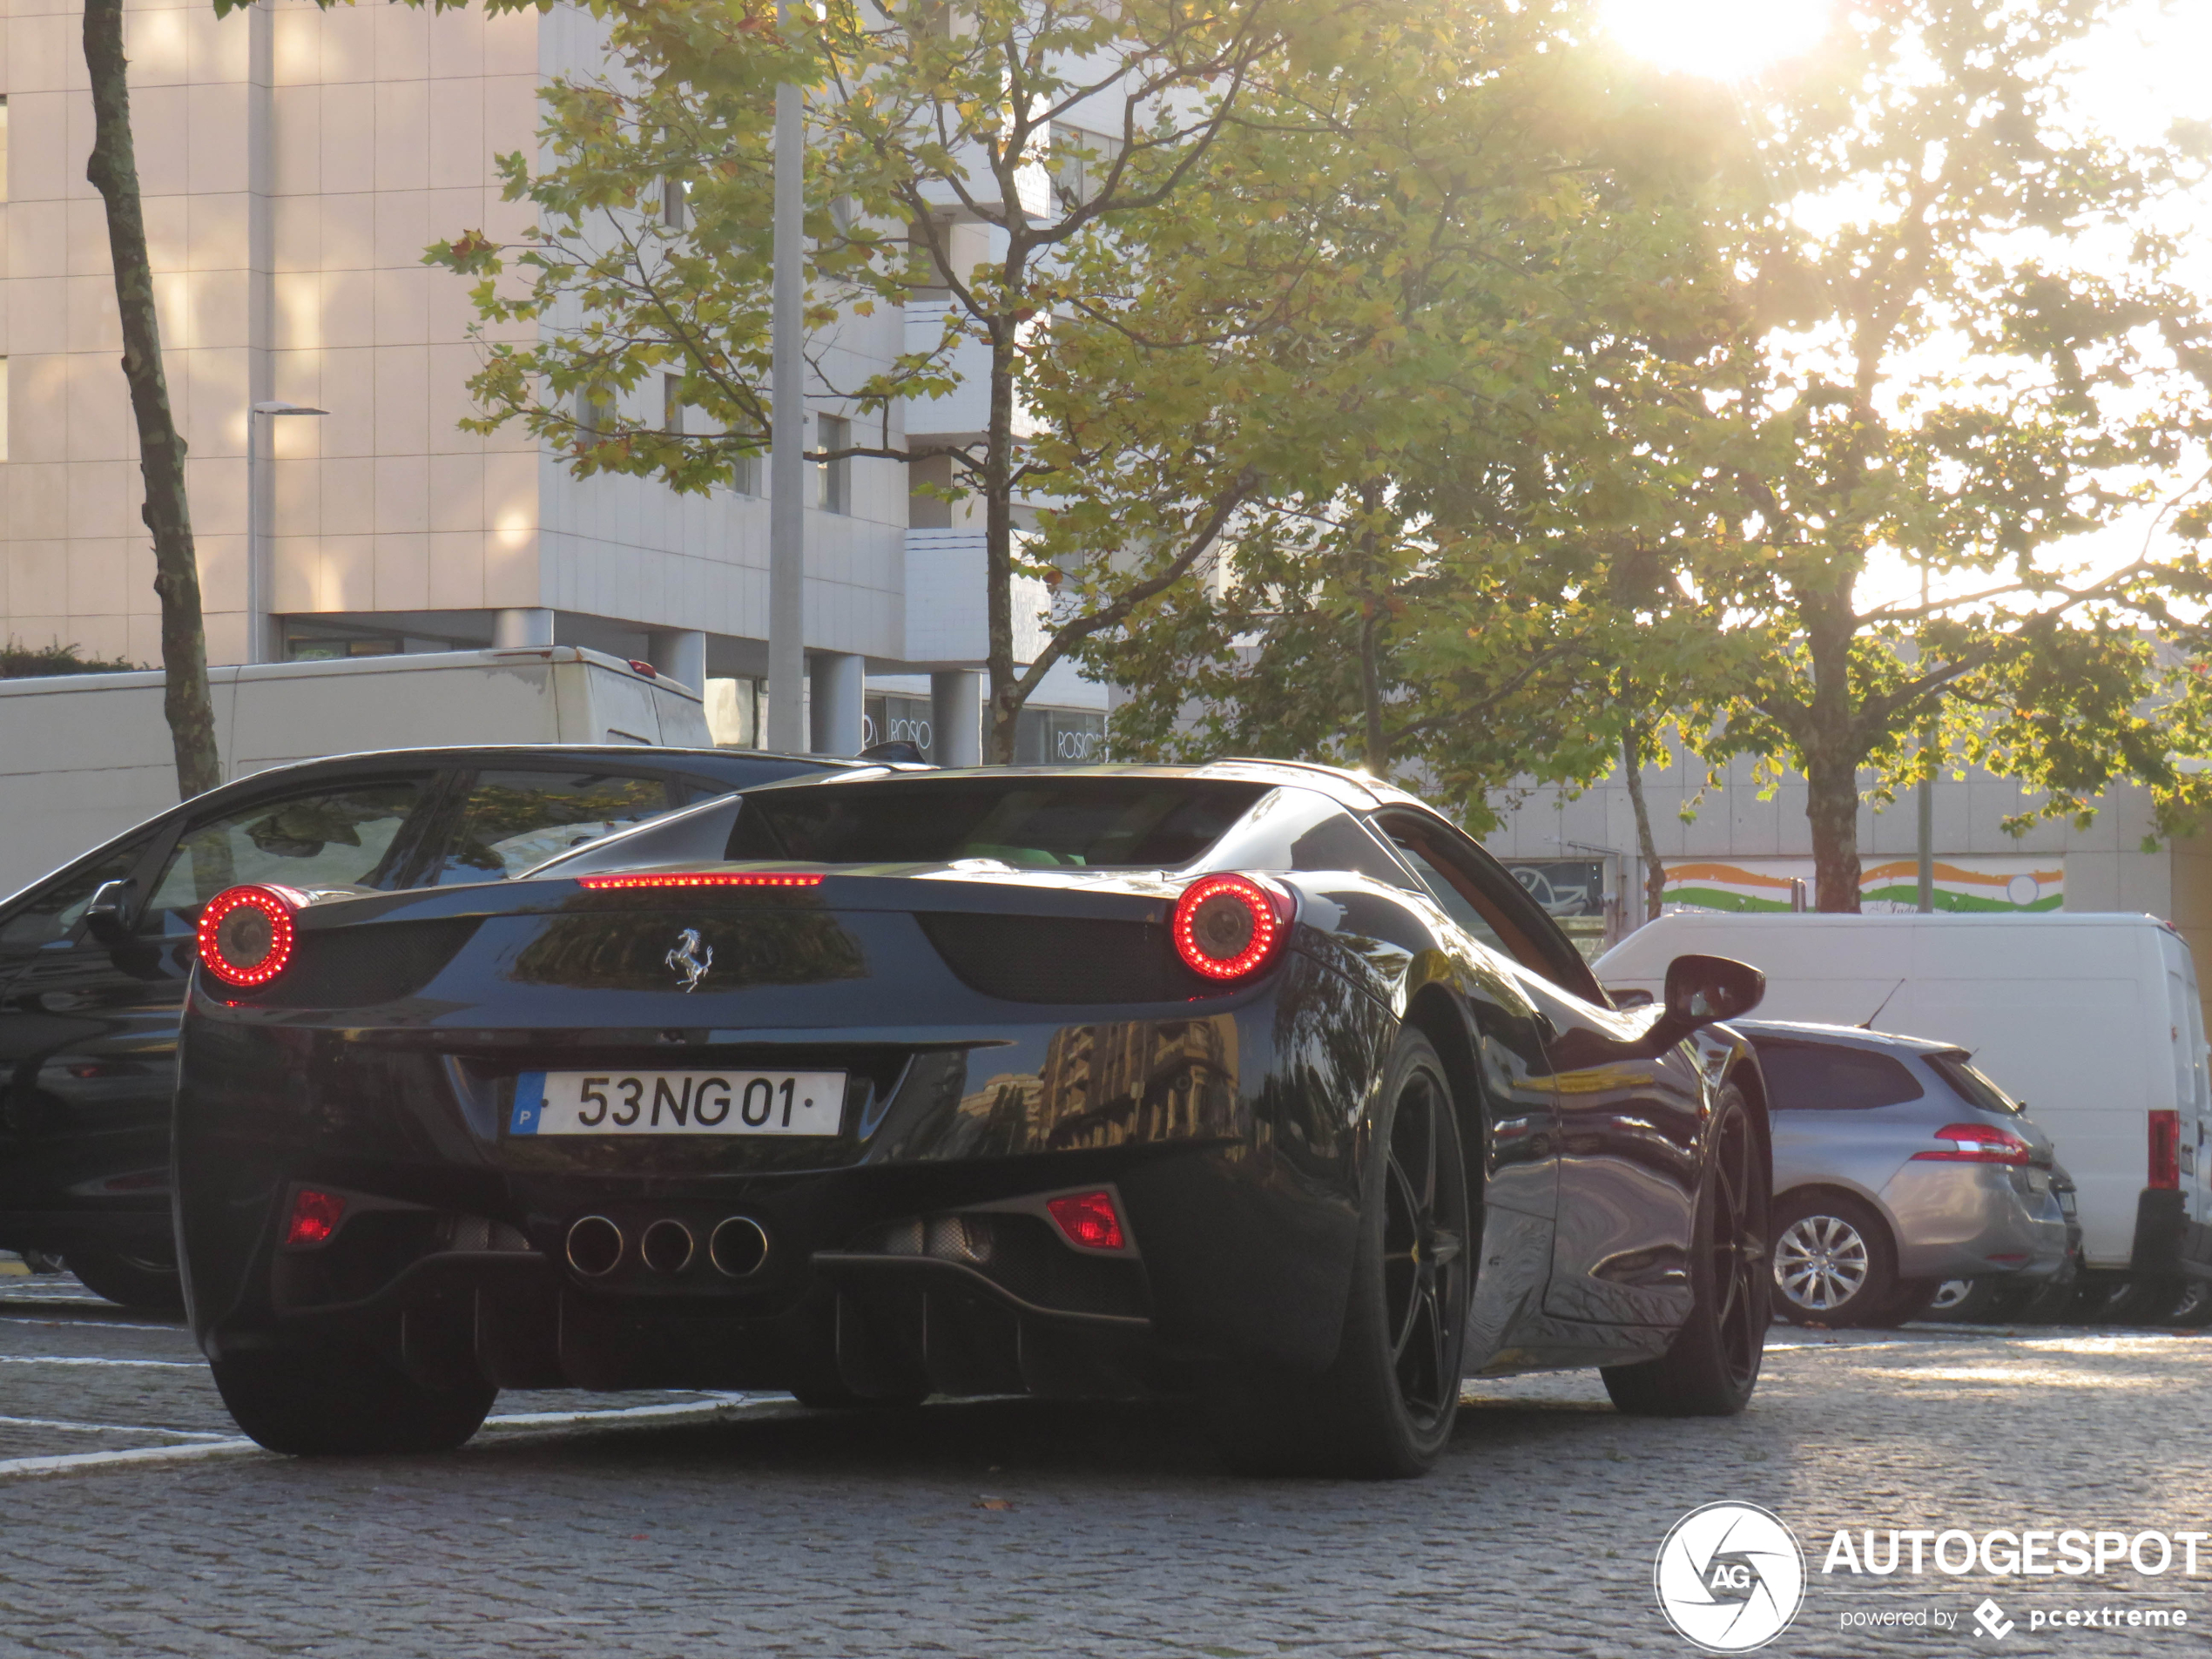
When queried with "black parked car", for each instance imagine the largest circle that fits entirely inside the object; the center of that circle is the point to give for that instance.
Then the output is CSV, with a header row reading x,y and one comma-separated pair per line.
x,y
94,959
1253,1080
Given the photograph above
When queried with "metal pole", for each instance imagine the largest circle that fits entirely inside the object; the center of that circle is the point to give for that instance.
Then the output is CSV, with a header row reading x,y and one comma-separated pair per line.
x,y
254,628
1927,786
787,432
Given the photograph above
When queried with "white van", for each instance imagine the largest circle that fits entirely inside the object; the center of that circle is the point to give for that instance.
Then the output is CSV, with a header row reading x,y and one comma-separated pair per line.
x,y
2092,1020
83,757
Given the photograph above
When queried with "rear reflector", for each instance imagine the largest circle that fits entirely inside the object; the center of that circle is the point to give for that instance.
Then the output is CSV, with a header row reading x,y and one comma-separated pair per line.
x,y
1089,1219
703,878
1977,1143
2166,1150
315,1216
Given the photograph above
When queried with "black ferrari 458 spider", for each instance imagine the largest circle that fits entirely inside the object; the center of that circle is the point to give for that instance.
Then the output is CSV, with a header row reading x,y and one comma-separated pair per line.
x,y
1256,1082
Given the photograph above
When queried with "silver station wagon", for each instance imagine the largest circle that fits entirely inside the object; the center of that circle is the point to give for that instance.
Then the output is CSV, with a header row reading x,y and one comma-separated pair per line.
x,y
1899,1165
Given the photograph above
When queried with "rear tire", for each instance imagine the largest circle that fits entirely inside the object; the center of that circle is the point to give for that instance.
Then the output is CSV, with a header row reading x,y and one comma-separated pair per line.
x,y
2192,1310
134,1281
1833,1261
339,1401
1383,1409
1713,1365
1971,1301
1909,1300
2139,1301
2049,1302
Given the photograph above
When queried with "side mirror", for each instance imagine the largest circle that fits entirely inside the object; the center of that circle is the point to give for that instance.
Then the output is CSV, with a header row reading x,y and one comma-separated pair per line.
x,y
107,916
1701,989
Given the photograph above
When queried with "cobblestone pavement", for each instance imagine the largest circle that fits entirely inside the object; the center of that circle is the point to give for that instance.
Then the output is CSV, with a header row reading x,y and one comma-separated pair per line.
x,y
709,1525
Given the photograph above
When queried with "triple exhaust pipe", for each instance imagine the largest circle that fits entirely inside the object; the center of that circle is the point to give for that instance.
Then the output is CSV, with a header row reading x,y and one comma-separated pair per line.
x,y
737,1248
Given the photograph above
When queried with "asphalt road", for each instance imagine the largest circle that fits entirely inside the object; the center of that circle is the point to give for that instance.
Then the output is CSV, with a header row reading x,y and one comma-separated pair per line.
x,y
692,1525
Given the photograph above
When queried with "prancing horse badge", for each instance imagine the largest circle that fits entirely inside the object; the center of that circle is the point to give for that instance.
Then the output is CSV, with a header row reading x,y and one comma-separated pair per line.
x,y
690,958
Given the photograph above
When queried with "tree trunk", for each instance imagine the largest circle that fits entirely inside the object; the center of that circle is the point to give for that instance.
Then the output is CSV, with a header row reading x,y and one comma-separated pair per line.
x,y
113,171
1655,874
1831,754
1370,692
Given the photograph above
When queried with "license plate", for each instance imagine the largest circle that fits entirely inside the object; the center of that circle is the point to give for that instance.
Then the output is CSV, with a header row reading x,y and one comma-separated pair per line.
x,y
678,1102
2065,1204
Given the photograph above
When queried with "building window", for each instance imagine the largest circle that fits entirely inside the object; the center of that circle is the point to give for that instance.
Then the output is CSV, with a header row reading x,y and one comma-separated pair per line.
x,y
589,413
671,404
745,474
833,479
675,203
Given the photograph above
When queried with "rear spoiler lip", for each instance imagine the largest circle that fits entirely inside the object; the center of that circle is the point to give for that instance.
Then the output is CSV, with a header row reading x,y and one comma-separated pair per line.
x,y
1044,893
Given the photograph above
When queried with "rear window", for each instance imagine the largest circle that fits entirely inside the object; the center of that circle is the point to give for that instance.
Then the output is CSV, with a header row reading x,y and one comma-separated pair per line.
x,y
1830,1077
1048,823
1973,1086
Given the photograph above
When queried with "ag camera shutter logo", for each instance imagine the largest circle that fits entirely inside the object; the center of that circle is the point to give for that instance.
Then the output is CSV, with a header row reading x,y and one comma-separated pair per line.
x,y
1729,1577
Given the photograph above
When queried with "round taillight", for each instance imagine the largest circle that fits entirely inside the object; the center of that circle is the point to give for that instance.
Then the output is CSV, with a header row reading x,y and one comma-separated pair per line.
x,y
1227,926
246,935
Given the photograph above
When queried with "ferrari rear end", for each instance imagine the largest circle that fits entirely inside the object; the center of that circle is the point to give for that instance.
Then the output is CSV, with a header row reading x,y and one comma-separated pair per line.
x,y
863,1130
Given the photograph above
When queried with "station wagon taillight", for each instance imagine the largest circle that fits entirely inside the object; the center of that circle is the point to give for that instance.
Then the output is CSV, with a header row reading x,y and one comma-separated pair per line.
x,y
2166,1150
245,934
1976,1144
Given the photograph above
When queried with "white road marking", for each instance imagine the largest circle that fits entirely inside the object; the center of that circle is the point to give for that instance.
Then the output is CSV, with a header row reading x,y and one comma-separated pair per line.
x,y
141,1454
85,1359
88,1324
67,1463
548,1419
113,1428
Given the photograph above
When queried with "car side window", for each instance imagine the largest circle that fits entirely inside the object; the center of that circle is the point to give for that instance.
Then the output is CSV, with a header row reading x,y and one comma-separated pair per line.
x,y
1456,904
49,915
1832,1077
347,835
512,821
1508,919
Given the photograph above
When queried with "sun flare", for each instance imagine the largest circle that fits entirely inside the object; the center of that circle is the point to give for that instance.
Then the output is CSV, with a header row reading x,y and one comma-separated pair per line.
x,y
1727,40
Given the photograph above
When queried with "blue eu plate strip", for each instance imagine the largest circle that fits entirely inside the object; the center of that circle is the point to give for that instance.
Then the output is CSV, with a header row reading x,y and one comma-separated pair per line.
x,y
530,1101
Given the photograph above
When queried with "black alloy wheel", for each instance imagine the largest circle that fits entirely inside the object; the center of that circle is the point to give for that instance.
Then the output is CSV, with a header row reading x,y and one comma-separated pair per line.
x,y
1713,1365
1383,1409
1425,1289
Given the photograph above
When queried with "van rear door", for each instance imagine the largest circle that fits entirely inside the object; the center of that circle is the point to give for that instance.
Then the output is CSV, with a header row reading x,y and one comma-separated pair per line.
x,y
2192,1086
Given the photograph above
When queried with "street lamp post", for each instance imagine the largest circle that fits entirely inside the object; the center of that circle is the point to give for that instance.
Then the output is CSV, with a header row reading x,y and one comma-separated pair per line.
x,y
257,602
787,427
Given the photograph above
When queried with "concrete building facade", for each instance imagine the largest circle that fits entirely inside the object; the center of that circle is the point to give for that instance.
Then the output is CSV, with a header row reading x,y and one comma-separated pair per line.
x,y
295,162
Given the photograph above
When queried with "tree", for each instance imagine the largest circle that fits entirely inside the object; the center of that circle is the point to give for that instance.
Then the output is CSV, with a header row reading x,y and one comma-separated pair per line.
x,y
1452,572
1054,127
1959,340
113,171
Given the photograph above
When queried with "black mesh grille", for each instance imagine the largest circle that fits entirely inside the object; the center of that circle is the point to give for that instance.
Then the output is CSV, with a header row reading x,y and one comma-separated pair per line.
x,y
1054,959
351,968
